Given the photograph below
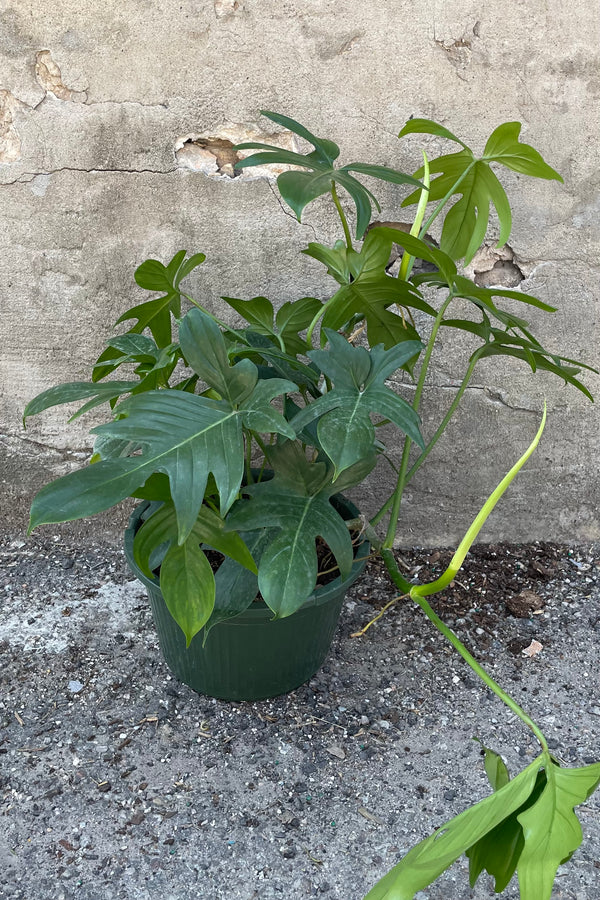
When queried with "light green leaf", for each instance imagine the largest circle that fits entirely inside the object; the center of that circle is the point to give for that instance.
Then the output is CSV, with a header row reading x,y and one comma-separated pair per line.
x,y
551,829
334,258
495,768
503,146
294,317
187,584
464,174
428,859
499,850
258,312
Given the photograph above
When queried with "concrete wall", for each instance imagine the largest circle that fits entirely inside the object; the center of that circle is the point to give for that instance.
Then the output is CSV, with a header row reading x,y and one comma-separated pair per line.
x,y
96,103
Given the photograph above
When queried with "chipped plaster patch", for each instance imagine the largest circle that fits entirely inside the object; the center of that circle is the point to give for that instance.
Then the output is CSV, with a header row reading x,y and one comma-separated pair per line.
x,y
495,267
10,142
214,155
49,78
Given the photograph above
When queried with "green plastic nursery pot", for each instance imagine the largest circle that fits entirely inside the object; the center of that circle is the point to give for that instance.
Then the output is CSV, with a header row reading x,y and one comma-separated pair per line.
x,y
251,657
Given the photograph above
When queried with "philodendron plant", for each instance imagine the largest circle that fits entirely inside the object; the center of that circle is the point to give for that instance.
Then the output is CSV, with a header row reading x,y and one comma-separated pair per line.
x,y
240,436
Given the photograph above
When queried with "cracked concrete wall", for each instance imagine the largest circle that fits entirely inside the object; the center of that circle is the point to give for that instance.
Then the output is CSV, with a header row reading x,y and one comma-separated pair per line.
x,y
109,116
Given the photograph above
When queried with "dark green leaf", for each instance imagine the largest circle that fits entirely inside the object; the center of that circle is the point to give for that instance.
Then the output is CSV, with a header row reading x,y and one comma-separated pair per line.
x,y
296,501
204,348
209,528
326,150
154,315
77,390
258,414
183,435
372,292
427,126
383,173
300,188
237,586
345,430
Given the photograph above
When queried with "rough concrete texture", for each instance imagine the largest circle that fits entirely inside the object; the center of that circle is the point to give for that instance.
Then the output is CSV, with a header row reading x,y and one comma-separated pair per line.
x,y
109,116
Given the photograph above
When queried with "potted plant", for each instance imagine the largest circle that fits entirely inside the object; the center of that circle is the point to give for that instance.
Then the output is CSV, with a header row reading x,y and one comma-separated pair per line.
x,y
240,441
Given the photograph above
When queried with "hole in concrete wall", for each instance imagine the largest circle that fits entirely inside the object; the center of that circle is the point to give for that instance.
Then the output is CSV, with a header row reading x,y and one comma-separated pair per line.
x,y
495,267
213,154
10,142
49,77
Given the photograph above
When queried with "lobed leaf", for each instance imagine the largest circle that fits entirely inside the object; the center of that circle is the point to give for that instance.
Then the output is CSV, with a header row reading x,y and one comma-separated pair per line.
x,y
462,173
345,431
551,829
77,390
428,859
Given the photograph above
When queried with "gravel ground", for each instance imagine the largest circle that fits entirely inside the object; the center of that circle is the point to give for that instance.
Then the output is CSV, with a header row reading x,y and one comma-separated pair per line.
x,y
118,782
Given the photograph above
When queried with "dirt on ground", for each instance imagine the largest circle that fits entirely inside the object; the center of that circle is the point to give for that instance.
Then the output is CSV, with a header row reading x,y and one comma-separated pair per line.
x,y
118,782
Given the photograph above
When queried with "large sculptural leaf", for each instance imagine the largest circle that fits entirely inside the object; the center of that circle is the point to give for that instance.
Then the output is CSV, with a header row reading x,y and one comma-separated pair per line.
x,y
182,435
345,430
297,502
185,436
371,292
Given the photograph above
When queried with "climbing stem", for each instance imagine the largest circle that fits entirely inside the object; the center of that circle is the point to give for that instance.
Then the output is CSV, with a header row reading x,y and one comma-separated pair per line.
x,y
401,482
402,584
439,432
444,200
407,259
342,215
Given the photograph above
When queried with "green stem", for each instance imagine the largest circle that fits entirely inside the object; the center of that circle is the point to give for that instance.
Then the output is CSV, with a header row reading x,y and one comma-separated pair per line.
x,y
216,319
401,584
342,216
408,260
249,478
262,445
401,482
440,430
444,200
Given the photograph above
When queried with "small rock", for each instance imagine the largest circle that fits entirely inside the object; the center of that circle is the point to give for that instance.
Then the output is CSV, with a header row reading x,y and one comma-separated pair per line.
x,y
75,687
524,604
